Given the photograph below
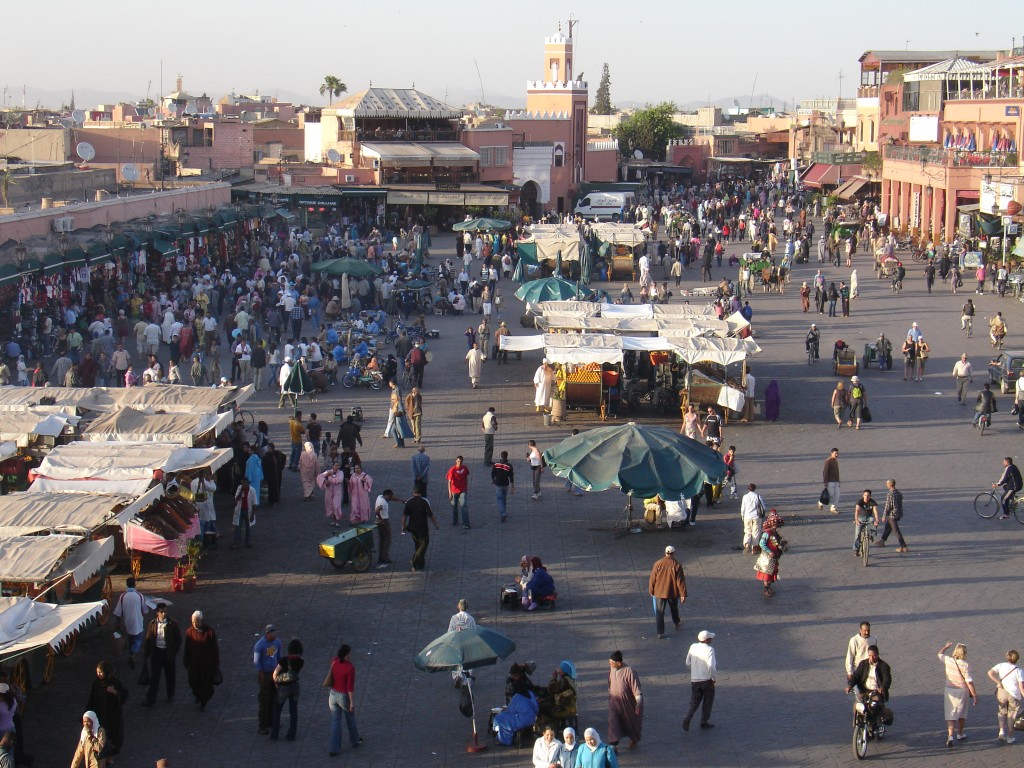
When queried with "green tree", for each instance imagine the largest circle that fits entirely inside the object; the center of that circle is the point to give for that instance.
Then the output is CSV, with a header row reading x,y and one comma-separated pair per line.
x,y
332,86
603,97
649,130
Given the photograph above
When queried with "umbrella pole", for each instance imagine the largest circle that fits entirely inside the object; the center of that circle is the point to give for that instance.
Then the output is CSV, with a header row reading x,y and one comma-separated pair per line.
x,y
627,515
475,745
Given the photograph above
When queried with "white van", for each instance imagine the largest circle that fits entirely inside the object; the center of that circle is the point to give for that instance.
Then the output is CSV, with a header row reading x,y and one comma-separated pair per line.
x,y
604,206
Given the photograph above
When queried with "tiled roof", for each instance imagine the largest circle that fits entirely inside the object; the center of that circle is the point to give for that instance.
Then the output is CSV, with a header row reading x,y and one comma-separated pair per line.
x,y
394,102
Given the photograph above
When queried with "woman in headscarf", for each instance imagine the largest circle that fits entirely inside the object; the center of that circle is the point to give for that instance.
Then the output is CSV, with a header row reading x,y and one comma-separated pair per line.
x,y
331,482
570,748
772,546
594,754
90,743
308,466
772,401
547,750
359,486
108,695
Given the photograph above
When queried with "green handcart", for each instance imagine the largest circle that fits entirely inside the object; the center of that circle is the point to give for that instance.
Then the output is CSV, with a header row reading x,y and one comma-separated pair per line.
x,y
352,546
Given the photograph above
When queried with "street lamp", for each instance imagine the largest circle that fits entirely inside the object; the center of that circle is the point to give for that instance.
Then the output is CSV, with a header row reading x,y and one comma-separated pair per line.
x,y
181,216
63,245
20,255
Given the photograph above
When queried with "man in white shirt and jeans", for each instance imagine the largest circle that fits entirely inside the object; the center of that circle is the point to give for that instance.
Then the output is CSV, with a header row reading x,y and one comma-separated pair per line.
x,y
130,610
752,509
703,671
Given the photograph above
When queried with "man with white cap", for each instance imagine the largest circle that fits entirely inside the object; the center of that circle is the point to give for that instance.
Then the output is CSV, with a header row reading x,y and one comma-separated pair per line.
x,y
703,671
667,586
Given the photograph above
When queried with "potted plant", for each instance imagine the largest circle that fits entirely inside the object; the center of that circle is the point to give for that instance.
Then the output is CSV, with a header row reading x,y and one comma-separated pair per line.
x,y
190,553
558,395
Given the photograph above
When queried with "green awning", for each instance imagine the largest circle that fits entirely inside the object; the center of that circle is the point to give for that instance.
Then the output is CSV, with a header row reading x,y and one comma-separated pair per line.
x,y
53,263
122,242
74,258
168,233
164,247
363,192
285,214
98,250
9,274
205,226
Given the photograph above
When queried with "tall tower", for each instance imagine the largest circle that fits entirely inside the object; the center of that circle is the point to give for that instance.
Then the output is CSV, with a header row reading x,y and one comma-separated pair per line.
x,y
560,96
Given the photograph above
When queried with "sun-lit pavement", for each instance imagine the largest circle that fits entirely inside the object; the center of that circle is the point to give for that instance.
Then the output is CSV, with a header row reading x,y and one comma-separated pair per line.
x,y
780,699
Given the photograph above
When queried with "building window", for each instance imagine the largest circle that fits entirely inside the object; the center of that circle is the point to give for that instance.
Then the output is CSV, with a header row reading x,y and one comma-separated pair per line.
x,y
559,156
871,128
493,157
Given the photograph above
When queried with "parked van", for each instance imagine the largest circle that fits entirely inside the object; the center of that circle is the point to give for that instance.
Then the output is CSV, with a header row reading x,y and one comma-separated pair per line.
x,y
604,206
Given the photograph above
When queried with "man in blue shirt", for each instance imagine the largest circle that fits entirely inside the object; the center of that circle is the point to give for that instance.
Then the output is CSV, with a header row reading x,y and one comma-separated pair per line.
x,y
265,655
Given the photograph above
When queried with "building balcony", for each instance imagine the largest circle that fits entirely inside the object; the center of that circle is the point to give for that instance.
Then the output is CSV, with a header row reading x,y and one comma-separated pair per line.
x,y
381,135
867,92
951,158
428,176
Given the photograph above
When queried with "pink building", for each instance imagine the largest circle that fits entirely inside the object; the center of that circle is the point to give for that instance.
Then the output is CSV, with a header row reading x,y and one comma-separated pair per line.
x,y
551,153
208,145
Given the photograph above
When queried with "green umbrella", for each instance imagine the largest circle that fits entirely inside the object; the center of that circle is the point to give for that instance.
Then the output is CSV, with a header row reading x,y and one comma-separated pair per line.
x,y
466,649
462,650
348,266
640,460
481,225
551,289
298,382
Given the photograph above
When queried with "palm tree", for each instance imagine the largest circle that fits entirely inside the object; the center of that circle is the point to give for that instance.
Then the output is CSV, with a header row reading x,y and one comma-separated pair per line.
x,y
332,86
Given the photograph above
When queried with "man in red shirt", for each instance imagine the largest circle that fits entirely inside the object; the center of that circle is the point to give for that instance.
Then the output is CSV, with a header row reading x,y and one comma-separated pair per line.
x,y
458,489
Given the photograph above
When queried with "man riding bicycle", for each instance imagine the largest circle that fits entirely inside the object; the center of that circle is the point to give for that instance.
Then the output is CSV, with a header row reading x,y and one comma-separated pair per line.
x,y
864,514
1010,483
813,340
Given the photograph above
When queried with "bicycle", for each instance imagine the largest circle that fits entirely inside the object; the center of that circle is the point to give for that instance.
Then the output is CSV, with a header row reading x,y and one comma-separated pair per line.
x,y
990,503
248,418
968,324
812,353
867,535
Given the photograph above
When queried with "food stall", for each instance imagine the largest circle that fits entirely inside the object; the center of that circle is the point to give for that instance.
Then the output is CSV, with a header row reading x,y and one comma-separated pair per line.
x,y
130,425
618,246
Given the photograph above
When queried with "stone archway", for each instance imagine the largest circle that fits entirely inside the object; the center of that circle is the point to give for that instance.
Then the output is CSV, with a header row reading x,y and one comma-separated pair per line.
x,y
529,199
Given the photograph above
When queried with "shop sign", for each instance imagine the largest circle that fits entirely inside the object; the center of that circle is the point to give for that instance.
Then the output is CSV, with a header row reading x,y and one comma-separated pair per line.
x,y
399,197
1013,111
447,198
486,198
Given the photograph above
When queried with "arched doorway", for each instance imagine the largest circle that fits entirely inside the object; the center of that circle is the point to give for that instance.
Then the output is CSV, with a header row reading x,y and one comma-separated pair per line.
x,y
529,199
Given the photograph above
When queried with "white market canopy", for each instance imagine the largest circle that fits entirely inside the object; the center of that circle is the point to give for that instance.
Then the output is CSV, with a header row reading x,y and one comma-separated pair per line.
x,y
8,449
26,624
120,467
172,398
619,234
134,426
687,326
657,310
22,428
572,348
550,239
37,559
66,511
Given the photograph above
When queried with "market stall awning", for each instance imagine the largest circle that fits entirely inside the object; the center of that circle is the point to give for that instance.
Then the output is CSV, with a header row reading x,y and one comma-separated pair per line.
x,y
165,248
285,214
33,558
419,154
170,398
86,560
821,174
70,511
720,351
8,449
23,428
142,540
126,461
656,310
26,624
849,189
134,426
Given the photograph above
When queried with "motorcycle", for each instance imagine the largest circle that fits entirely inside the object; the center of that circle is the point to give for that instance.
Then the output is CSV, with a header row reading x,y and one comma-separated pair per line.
x,y
360,377
870,717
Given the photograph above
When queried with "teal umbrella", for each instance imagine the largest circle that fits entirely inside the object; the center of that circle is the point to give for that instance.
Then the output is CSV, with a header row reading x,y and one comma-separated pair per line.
x,y
640,460
551,289
348,266
462,650
481,225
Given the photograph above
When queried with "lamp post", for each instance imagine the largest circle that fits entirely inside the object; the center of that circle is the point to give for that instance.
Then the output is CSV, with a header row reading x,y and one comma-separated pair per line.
x,y
20,255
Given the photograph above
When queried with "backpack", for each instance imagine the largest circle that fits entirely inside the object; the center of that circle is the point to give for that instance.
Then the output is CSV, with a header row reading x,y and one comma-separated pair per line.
x,y
856,393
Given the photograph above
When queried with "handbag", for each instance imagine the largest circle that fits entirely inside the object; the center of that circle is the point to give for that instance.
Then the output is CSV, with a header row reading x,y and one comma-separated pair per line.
x,y
1018,723
765,563
865,415
144,676
825,497
118,642
218,676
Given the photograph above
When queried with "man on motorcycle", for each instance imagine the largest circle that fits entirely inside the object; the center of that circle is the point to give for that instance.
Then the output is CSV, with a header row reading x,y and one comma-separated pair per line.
x,y
813,340
872,674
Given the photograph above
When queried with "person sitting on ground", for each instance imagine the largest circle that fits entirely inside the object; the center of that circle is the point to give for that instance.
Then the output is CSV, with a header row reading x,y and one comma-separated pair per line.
x,y
539,586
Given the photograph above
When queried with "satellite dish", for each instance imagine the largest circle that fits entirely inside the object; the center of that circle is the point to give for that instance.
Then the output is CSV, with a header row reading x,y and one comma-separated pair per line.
x,y
78,116
638,154
85,150
151,112
736,102
130,171
67,122
333,155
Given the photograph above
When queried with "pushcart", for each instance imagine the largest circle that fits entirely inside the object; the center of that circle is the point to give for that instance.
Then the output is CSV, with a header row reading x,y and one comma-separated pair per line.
x,y
352,546
844,360
871,354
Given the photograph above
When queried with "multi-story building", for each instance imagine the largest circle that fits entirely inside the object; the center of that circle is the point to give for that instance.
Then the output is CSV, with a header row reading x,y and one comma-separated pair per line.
x,y
961,159
879,69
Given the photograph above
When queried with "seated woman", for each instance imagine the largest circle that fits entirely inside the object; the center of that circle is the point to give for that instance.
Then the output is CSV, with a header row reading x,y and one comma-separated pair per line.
x,y
538,586
520,713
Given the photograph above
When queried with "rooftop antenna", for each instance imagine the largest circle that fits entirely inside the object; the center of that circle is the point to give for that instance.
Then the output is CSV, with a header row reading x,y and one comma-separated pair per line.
x,y
483,99
752,88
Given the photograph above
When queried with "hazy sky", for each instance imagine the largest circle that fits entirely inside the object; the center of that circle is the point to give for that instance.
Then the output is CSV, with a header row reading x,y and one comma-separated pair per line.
x,y
657,50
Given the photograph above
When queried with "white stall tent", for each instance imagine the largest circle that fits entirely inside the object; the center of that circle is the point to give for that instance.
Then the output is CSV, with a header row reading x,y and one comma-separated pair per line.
x,y
24,427
38,559
70,511
26,624
171,398
135,426
569,348
8,450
